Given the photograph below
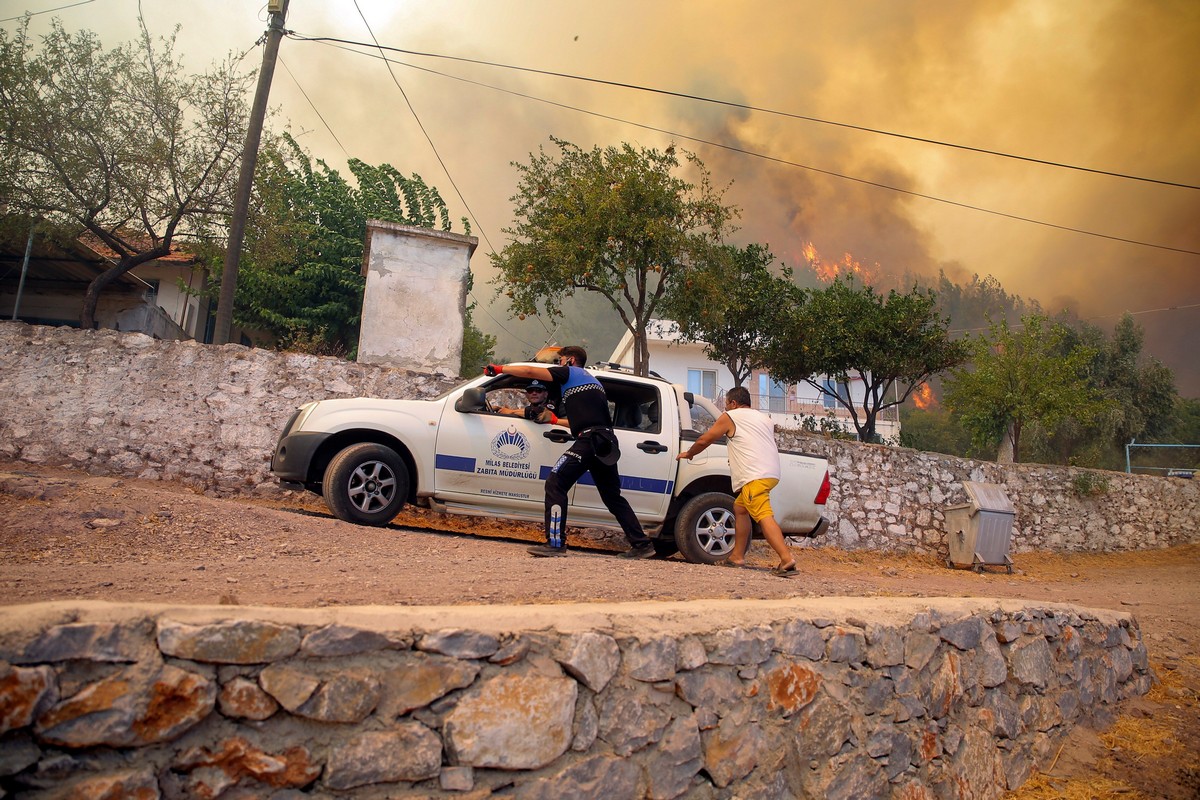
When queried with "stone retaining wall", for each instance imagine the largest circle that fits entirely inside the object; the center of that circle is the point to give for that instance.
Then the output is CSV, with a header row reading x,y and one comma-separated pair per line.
x,y
832,698
125,404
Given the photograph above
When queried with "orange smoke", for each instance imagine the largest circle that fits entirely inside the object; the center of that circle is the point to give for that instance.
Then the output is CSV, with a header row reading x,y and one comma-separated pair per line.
x,y
923,397
827,271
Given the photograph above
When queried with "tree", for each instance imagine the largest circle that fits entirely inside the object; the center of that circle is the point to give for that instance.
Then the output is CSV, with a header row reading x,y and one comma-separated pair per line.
x,y
121,143
301,278
615,221
731,303
1140,392
1022,377
892,344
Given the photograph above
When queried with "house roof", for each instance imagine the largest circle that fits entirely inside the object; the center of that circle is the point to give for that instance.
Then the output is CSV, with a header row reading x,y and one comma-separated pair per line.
x,y
67,266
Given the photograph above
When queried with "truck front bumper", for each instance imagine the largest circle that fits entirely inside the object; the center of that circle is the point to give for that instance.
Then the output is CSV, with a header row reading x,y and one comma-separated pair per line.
x,y
294,455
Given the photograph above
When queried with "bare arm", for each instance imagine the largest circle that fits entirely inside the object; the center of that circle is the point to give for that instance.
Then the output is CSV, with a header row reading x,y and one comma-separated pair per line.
x,y
722,427
523,371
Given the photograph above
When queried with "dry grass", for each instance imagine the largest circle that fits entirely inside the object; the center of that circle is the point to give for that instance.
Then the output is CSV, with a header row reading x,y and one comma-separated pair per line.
x,y
1134,741
1047,787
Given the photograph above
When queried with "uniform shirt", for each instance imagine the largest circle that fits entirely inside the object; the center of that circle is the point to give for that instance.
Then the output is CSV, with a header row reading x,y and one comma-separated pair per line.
x,y
752,450
584,403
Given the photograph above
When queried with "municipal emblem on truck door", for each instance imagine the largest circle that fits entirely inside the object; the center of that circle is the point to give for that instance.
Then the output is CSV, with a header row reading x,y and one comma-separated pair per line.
x,y
510,445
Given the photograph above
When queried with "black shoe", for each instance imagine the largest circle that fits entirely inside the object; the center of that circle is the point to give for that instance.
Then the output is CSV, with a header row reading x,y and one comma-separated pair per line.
x,y
546,551
644,551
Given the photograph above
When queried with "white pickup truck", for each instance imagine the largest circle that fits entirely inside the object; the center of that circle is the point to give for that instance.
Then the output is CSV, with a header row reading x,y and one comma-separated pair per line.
x,y
368,457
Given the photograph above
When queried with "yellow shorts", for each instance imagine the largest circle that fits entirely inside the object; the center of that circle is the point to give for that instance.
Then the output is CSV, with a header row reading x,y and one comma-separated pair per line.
x,y
755,497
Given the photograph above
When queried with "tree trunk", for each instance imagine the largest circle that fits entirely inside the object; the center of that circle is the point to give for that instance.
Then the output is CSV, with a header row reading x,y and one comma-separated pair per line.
x,y
1008,445
641,356
91,298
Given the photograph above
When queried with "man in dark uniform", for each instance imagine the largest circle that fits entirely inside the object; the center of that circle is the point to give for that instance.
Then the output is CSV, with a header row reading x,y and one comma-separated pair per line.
x,y
594,450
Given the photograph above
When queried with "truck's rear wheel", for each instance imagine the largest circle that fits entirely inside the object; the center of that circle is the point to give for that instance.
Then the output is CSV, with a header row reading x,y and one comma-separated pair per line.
x,y
366,484
704,528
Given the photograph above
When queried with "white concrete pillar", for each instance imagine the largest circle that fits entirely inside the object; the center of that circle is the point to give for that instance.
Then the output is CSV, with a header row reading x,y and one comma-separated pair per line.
x,y
415,299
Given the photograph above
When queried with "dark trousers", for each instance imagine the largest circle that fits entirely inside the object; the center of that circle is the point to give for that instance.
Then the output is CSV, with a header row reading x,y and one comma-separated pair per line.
x,y
580,458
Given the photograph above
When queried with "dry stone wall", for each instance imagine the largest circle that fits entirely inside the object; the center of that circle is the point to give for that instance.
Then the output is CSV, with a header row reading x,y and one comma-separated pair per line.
x,y
126,404
831,698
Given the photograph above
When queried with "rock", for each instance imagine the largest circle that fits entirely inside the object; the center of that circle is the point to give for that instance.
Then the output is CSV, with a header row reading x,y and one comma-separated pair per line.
x,y
90,641
419,680
25,692
342,640
140,705
601,777
591,657
790,688
512,722
410,752
459,644
242,698
234,761
238,642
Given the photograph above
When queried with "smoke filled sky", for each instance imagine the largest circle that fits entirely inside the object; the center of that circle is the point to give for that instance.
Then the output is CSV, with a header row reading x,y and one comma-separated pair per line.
x,y
1109,85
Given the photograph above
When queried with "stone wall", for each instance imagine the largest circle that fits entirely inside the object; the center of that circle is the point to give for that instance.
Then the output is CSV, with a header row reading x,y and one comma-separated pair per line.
x,y
125,404
833,698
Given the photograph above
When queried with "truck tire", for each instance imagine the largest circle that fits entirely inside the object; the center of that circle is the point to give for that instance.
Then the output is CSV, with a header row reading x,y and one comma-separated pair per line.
x,y
704,528
366,484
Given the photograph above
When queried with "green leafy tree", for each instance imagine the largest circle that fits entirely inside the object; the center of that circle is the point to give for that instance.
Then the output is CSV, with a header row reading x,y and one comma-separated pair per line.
x,y
891,344
301,278
732,303
121,143
1022,377
1141,395
616,221
933,430
478,348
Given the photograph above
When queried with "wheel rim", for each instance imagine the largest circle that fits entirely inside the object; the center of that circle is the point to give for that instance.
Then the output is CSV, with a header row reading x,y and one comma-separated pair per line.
x,y
372,486
715,532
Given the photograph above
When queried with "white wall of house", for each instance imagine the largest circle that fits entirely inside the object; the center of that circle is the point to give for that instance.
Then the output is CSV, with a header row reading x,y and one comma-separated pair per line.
x,y
686,363
173,282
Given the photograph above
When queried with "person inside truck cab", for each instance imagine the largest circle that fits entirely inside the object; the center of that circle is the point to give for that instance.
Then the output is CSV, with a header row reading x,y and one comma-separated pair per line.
x,y
537,395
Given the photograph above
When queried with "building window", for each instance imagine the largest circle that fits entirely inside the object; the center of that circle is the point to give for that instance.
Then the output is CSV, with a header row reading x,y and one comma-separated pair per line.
x,y
703,382
772,395
834,389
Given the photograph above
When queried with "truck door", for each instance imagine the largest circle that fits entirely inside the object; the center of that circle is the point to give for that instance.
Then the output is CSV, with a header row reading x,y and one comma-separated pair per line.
x,y
494,460
649,441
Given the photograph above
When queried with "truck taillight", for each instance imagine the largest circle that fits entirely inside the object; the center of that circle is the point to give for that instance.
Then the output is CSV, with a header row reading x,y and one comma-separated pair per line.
x,y
823,492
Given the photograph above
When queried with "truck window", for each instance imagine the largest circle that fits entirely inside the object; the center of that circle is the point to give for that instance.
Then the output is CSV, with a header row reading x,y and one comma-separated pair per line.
x,y
701,419
633,406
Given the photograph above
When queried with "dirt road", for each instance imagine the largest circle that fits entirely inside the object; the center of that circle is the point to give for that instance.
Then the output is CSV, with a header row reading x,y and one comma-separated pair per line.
x,y
69,536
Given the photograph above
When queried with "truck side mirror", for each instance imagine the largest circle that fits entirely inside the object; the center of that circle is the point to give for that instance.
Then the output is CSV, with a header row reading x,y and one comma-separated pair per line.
x,y
470,401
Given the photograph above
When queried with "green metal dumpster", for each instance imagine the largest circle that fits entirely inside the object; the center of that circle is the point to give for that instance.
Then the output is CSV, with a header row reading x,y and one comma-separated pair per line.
x,y
979,532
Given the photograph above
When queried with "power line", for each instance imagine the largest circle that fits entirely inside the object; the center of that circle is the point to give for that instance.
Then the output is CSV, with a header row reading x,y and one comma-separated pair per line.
x,y
776,159
47,11
424,132
445,169
314,108
774,112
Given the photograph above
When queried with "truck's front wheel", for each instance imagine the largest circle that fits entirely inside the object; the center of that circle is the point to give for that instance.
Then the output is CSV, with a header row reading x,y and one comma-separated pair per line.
x,y
366,484
704,528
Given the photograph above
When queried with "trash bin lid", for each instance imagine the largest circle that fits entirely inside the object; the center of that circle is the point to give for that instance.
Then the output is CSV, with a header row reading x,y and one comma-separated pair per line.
x,y
988,497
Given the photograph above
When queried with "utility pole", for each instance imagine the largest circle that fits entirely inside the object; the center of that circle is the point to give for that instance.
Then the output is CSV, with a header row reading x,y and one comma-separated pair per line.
x,y
241,200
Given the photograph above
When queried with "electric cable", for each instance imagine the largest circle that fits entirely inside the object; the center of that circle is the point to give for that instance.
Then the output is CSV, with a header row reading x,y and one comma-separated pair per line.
x,y
784,161
47,11
774,112
292,75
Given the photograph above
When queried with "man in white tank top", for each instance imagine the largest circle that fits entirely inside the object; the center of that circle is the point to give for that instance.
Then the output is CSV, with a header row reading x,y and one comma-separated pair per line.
x,y
754,467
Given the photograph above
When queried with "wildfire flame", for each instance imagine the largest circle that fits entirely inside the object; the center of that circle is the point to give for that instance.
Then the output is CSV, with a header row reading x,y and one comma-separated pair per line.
x,y
923,397
827,271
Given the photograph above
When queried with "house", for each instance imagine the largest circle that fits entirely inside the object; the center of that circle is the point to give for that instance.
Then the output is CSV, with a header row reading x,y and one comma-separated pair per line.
x,y
156,298
789,405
